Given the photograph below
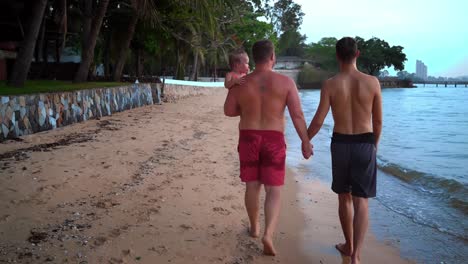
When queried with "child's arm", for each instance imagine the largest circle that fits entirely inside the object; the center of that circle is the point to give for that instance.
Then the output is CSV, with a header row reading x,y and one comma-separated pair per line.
x,y
230,81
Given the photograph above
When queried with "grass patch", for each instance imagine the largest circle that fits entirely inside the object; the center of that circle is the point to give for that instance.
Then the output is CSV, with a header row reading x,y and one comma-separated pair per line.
x,y
49,86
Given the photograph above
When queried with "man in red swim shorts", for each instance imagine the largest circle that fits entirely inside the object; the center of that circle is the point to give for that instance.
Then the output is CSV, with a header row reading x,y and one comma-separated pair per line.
x,y
260,102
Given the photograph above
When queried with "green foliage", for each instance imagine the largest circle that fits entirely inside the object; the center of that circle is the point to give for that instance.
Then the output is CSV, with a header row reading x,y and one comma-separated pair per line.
x,y
311,77
291,43
249,29
376,54
286,16
323,53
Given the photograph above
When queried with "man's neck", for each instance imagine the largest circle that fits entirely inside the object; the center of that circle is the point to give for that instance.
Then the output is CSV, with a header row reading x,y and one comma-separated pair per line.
x,y
348,67
263,67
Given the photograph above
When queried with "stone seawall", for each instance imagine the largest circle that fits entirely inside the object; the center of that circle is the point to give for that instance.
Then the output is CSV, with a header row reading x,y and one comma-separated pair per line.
x,y
174,92
27,114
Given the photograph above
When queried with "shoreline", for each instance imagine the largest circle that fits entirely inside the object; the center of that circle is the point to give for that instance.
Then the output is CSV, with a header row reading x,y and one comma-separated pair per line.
x,y
126,188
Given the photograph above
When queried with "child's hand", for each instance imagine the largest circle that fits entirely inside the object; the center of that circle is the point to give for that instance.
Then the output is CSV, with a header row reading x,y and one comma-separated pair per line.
x,y
241,80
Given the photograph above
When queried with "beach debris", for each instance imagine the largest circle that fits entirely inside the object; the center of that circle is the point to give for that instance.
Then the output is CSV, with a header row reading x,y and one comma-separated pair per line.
x,y
99,241
23,255
37,236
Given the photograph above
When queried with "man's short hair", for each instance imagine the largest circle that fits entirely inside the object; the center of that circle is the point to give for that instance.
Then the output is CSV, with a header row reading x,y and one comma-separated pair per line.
x,y
236,57
346,49
262,51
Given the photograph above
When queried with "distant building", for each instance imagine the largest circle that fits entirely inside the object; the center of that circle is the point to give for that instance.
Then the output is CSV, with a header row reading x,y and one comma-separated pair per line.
x,y
289,62
421,70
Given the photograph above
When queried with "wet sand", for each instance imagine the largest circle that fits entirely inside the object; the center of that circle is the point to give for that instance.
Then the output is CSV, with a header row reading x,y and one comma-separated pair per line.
x,y
157,184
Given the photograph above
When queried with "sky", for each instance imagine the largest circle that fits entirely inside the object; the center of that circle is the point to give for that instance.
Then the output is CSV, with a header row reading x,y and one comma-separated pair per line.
x,y
435,32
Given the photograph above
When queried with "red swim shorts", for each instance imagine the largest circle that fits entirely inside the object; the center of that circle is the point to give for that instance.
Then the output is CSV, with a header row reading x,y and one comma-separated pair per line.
x,y
262,155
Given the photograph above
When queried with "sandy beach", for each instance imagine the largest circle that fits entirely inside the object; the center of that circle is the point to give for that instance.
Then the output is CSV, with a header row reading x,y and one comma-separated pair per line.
x,y
157,184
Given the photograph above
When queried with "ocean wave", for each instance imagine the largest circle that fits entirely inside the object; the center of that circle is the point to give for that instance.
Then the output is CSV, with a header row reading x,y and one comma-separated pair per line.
x,y
453,191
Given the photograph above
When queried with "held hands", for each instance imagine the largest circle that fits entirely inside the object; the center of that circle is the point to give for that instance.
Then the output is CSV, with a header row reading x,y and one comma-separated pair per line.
x,y
307,149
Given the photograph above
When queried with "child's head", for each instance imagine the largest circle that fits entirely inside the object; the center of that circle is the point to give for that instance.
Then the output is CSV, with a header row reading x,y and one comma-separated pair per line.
x,y
239,61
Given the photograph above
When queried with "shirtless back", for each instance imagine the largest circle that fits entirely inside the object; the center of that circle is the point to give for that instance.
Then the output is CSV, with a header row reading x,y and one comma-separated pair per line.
x,y
356,102
260,102
354,99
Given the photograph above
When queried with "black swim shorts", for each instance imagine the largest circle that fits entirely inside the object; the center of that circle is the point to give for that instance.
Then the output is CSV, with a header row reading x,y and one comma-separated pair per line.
x,y
354,165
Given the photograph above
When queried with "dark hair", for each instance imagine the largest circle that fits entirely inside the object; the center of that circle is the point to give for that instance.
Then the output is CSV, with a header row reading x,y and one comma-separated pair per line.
x,y
236,57
346,49
262,51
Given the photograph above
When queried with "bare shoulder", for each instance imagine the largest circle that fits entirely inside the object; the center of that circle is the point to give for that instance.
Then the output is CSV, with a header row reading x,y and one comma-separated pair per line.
x,y
280,77
330,82
371,80
281,80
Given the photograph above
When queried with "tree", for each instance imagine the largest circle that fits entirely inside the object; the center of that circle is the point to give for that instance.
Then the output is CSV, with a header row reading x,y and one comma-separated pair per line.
x,y
403,75
377,54
91,28
287,18
138,9
291,43
248,29
25,55
286,15
323,53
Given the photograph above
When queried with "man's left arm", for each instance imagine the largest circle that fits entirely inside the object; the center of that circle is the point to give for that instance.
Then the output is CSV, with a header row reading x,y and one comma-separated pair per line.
x,y
231,106
321,113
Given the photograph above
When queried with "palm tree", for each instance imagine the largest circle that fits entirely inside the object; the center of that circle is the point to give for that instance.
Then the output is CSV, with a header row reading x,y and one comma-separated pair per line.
x,y
25,55
138,9
91,28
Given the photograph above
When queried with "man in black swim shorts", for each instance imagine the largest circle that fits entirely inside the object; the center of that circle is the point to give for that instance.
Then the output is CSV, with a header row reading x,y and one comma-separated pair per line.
x,y
356,102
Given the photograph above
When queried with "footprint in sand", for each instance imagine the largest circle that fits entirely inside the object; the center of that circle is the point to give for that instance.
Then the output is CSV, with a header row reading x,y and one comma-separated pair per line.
x,y
221,210
161,250
227,197
5,218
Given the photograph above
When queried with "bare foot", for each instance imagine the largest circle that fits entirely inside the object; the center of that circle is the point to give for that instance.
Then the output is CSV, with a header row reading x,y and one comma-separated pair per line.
x,y
344,249
268,248
355,260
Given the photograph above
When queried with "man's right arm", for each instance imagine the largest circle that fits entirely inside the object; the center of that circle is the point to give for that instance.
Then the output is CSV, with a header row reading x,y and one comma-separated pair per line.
x,y
231,106
377,113
297,116
321,113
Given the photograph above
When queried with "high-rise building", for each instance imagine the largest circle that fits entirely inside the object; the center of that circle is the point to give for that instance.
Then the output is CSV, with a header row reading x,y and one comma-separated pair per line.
x,y
421,70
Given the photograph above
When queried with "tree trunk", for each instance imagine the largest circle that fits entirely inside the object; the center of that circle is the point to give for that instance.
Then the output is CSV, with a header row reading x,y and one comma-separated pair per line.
x,y
122,54
193,77
106,58
87,51
40,44
87,21
215,73
25,55
138,61
62,26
